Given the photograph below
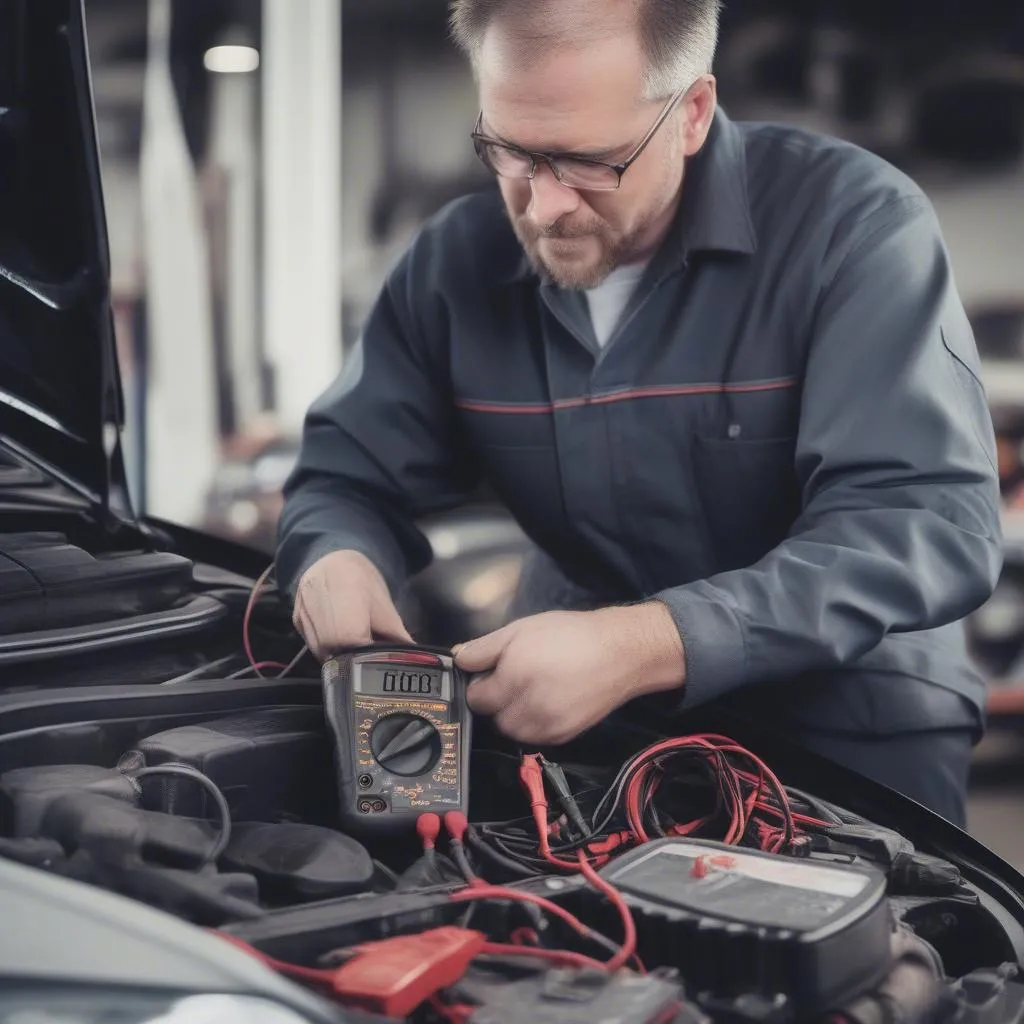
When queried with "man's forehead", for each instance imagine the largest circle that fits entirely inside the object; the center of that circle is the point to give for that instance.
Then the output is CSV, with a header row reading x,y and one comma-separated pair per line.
x,y
509,49
560,97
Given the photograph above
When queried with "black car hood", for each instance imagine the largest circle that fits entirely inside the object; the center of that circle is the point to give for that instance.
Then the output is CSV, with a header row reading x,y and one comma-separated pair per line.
x,y
60,398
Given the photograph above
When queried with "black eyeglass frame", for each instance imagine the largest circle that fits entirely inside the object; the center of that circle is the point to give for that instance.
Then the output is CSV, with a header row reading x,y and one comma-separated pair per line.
x,y
551,159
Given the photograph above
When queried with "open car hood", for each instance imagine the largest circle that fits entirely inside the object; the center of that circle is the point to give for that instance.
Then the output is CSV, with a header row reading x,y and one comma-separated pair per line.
x,y
60,398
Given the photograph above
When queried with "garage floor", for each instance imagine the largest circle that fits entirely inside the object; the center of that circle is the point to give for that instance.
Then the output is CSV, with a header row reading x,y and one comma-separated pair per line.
x,y
996,807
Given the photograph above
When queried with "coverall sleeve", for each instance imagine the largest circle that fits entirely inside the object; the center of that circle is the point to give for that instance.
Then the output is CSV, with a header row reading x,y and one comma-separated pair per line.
x,y
380,447
899,527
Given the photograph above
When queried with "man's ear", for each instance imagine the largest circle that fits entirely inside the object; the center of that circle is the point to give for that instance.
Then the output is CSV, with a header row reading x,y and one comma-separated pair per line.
x,y
698,111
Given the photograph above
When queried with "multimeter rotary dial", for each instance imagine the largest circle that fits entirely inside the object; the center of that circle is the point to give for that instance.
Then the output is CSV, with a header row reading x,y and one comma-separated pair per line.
x,y
405,744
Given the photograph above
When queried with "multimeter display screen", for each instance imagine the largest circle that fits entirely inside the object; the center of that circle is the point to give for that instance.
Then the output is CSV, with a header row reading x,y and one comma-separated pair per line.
x,y
392,680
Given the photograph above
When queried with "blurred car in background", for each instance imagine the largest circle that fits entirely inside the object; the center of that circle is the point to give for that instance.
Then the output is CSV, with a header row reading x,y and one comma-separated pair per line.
x,y
245,500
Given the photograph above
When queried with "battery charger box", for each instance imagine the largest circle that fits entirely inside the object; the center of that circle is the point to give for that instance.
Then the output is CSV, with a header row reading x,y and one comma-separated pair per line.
x,y
739,923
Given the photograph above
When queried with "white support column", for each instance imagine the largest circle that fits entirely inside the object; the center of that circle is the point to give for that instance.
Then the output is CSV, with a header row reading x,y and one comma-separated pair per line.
x,y
301,74
181,425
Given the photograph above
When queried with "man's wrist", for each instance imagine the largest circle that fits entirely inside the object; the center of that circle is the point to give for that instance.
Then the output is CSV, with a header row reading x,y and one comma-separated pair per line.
x,y
649,642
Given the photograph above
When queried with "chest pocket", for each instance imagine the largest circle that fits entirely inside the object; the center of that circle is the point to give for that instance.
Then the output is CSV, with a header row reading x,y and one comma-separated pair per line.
x,y
749,494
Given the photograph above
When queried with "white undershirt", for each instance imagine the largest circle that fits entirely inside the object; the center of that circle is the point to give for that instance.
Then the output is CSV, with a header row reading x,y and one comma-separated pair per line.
x,y
608,300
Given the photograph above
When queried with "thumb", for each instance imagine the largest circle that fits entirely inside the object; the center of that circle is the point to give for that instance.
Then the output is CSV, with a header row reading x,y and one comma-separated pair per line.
x,y
482,654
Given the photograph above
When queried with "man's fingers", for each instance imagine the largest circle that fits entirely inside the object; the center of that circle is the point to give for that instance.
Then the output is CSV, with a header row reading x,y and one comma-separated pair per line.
x,y
486,695
332,623
307,631
482,654
386,623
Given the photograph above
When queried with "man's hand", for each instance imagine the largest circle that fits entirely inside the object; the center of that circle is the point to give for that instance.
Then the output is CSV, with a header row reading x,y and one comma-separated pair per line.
x,y
343,601
549,677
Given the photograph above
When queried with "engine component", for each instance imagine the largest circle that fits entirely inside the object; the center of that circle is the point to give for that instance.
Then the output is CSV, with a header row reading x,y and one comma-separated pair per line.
x,y
300,934
48,583
26,793
115,833
882,846
990,997
918,874
262,761
580,997
913,992
740,923
206,897
298,863
36,853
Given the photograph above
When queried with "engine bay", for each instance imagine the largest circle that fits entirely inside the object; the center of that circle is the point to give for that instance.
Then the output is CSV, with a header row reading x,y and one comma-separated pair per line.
x,y
630,876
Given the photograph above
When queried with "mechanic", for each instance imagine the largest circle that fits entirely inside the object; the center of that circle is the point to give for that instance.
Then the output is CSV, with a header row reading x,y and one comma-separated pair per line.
x,y
720,374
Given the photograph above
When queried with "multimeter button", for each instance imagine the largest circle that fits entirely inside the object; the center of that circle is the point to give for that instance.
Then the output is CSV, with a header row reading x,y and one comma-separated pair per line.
x,y
405,744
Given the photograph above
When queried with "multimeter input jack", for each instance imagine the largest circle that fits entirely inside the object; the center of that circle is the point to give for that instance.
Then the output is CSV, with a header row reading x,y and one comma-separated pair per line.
x,y
365,781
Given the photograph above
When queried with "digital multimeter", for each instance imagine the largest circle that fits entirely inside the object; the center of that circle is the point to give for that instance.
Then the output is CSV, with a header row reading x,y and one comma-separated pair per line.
x,y
401,732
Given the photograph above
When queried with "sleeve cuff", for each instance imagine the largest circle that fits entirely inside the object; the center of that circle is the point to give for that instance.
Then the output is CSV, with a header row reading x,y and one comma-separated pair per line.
x,y
713,642
292,570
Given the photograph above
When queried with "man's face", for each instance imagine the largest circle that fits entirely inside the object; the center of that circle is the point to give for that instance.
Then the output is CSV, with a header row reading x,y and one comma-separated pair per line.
x,y
586,100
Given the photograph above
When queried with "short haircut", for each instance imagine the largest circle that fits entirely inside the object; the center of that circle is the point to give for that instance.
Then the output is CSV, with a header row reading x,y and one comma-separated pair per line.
x,y
678,37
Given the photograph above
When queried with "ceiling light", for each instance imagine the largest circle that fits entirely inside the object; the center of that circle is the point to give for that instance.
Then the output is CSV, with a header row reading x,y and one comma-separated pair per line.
x,y
231,60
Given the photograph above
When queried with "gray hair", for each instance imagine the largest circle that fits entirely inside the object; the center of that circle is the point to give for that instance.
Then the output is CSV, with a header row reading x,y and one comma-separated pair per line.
x,y
678,37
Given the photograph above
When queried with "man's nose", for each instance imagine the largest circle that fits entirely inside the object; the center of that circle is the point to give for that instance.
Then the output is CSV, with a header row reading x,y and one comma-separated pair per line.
x,y
550,200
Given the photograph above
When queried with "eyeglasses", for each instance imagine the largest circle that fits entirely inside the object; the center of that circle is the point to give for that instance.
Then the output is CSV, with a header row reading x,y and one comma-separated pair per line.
x,y
508,161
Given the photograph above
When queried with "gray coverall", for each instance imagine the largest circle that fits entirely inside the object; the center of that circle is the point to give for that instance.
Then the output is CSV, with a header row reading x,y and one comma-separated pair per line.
x,y
785,441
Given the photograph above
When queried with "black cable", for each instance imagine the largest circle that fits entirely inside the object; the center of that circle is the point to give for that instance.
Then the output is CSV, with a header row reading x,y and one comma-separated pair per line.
x,y
649,813
384,870
209,669
290,667
188,772
458,852
535,862
244,672
485,850
815,807
733,777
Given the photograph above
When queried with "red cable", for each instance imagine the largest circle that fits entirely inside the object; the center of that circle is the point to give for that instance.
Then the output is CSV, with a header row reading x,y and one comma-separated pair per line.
x,y
741,807
268,664
561,957
640,774
533,781
310,975
250,605
532,778
628,947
